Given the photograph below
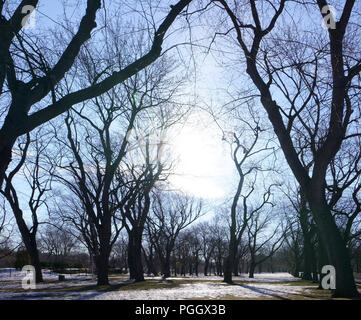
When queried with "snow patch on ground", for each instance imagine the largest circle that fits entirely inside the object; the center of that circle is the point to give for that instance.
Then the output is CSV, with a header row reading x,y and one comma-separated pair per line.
x,y
202,290
263,285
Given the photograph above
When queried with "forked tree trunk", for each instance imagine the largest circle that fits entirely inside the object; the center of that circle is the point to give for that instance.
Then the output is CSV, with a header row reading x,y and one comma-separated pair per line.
x,y
29,240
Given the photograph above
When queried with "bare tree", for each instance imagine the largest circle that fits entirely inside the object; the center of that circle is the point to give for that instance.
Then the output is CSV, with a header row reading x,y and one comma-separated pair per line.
x,y
31,78
119,254
326,129
138,183
294,242
171,213
247,156
114,168
220,233
181,252
207,243
38,178
262,246
343,190
149,253
57,242
90,178
7,246
195,250
3,224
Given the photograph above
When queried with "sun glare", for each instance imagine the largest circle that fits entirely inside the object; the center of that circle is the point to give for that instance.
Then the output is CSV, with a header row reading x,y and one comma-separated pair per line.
x,y
203,167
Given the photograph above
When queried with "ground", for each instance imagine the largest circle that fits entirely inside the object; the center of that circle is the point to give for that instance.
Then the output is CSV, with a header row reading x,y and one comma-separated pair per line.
x,y
265,286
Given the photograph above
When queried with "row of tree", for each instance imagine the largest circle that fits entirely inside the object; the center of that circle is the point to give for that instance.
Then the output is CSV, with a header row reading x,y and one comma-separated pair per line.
x,y
80,122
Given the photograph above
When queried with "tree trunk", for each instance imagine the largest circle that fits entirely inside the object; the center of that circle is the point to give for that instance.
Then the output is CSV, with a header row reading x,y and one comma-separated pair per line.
x,y
29,240
241,266
228,268
166,267
220,265
229,261
183,270
296,270
307,260
102,257
135,255
236,266
34,259
337,252
150,263
206,266
196,264
176,270
252,268
322,259
307,245
101,262
313,263
5,159
152,269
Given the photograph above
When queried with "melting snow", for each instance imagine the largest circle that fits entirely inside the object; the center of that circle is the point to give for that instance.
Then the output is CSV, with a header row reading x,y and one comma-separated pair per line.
x,y
263,285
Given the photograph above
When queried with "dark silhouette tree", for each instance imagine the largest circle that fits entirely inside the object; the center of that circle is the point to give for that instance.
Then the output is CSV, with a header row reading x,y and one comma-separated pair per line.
x,y
38,177
25,85
335,111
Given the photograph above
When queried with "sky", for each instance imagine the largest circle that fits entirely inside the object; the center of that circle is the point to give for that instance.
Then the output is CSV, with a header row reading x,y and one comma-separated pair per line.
x,y
205,168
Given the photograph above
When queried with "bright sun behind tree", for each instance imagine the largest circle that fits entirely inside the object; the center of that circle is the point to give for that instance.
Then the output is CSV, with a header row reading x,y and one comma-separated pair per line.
x,y
203,167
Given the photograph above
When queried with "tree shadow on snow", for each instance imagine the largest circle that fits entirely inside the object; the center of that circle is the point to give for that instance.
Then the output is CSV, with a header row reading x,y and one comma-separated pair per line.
x,y
268,292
